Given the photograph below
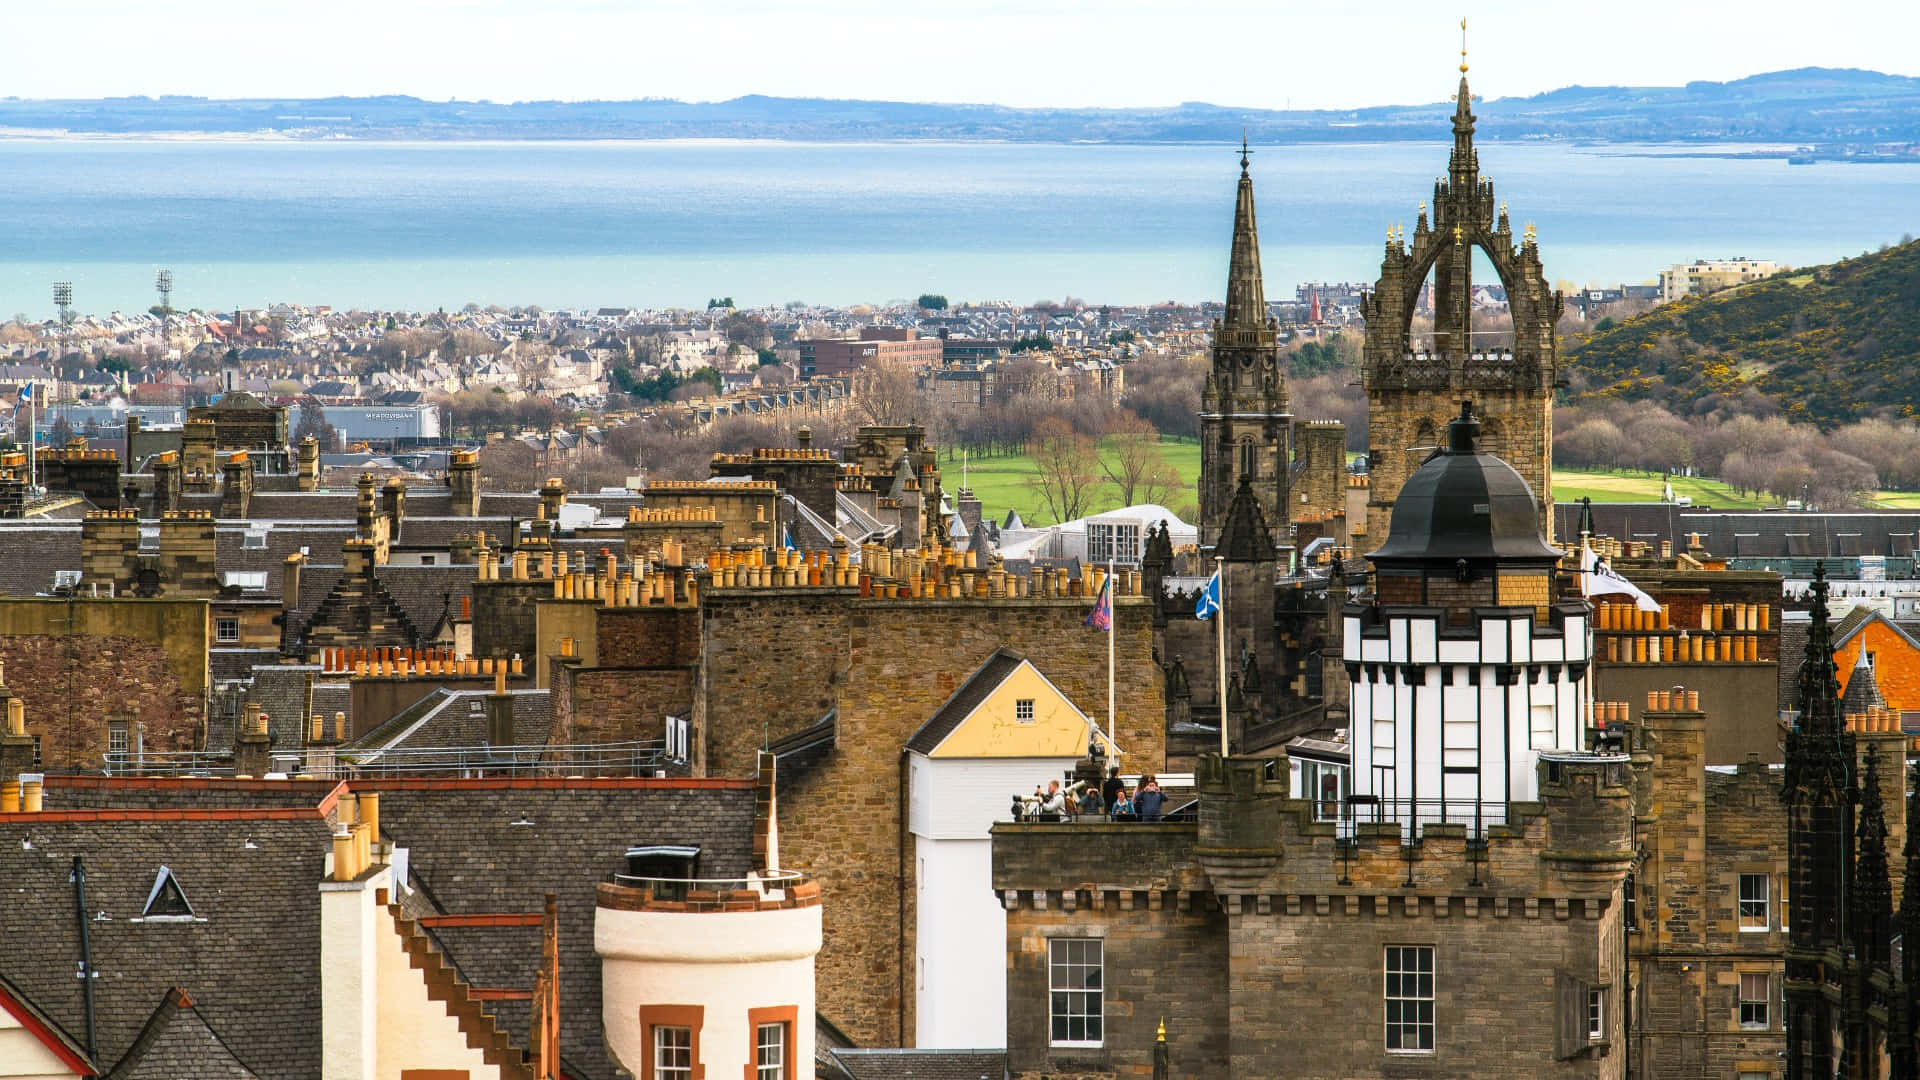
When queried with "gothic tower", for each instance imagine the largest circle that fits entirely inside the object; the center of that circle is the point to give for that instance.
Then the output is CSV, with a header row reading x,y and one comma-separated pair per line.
x,y
1244,425
1820,797
1412,395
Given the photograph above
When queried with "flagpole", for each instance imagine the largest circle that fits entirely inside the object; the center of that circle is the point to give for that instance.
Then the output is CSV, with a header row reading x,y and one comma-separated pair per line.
x,y
33,423
1112,617
1220,635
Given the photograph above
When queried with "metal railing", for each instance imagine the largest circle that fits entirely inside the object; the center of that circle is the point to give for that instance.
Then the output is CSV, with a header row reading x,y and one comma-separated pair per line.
x,y
640,758
770,885
167,763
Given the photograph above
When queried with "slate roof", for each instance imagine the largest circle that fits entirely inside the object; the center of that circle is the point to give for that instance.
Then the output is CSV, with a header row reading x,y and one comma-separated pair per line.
x,y
281,691
30,553
251,965
1751,533
446,718
967,698
1863,690
1793,652
469,855
225,665
426,593
920,1064
178,1042
250,959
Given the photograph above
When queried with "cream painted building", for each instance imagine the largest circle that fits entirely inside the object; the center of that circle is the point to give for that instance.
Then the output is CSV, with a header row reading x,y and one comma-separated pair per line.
x,y
1712,275
1006,729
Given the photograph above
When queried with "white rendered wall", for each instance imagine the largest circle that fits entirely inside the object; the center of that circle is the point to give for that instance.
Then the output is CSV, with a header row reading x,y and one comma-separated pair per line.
x,y
726,962
960,939
960,969
376,1018
24,1057
1410,741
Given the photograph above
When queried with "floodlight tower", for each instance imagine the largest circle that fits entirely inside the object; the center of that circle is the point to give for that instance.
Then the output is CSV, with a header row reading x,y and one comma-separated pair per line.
x,y
63,299
163,282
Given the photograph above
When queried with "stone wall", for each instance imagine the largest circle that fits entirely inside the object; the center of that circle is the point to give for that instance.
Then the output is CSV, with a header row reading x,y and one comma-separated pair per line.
x,y
601,705
651,636
772,664
844,820
504,620
80,665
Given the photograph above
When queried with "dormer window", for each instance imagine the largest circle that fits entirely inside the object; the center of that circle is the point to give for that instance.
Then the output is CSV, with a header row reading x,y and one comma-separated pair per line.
x,y
666,868
166,901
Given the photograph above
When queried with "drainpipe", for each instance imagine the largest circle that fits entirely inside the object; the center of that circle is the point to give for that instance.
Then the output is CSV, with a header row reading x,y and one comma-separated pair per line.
x,y
79,879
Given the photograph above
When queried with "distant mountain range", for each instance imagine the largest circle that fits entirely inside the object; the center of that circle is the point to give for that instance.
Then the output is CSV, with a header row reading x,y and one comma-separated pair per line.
x,y
1808,106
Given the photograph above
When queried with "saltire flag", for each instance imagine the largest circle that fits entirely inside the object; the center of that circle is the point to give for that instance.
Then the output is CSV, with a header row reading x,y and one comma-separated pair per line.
x,y
26,393
1599,579
1101,617
1209,603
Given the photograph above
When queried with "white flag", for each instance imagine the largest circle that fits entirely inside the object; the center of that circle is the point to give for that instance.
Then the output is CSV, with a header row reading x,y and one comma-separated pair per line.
x,y
1599,579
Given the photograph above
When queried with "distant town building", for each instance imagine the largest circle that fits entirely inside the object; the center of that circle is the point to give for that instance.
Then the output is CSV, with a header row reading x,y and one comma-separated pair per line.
x,y
883,346
1712,275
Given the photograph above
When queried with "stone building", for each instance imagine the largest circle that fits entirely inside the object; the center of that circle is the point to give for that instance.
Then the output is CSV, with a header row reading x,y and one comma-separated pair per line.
x,y
1412,388
1246,431
1465,904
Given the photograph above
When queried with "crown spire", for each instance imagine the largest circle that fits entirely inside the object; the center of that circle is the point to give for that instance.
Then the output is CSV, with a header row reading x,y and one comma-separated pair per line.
x,y
1246,292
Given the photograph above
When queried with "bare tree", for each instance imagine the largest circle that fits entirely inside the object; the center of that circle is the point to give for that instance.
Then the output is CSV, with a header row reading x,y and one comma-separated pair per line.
x,y
881,394
1065,468
1133,464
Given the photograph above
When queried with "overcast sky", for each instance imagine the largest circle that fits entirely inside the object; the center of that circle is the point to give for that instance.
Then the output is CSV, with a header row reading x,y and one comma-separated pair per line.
x,y
1272,54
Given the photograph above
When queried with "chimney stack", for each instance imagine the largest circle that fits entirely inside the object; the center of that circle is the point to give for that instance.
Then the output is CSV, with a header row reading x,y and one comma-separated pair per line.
x,y
16,746
463,479
236,490
253,749
500,709
307,469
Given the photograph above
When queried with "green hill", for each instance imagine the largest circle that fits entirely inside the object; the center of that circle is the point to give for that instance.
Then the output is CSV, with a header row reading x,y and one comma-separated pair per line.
x,y
1830,344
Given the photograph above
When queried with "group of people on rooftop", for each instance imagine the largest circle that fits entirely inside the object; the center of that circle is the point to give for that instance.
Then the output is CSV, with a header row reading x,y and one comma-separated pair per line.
x,y
1112,800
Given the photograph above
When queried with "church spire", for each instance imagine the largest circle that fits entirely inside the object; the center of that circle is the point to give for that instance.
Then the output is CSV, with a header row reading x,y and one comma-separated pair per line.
x,y
1465,162
1246,292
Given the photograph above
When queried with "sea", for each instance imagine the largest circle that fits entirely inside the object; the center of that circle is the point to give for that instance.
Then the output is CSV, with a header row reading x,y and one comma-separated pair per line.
x,y
429,224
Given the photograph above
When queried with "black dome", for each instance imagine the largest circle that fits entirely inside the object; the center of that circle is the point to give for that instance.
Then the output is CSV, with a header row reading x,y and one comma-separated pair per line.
x,y
1462,504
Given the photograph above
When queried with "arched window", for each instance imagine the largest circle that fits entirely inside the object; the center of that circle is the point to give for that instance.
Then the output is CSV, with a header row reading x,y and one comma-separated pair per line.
x,y
1246,458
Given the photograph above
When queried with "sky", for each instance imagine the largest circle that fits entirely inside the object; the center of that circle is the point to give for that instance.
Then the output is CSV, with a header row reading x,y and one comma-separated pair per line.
x,y
1113,53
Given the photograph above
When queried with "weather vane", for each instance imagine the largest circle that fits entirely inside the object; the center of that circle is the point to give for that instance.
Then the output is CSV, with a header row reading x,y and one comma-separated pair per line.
x,y
1243,150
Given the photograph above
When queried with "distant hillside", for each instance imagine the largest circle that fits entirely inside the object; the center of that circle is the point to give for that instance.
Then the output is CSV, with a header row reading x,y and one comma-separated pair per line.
x,y
1806,106
1831,344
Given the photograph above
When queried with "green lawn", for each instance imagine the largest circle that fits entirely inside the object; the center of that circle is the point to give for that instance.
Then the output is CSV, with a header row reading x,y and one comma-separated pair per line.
x,y
1002,482
1570,485
1897,500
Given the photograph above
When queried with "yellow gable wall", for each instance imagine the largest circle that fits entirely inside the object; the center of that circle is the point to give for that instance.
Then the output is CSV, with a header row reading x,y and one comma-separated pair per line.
x,y
1057,728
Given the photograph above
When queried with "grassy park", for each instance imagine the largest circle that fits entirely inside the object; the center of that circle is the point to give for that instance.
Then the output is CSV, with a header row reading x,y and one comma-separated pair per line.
x,y
1001,481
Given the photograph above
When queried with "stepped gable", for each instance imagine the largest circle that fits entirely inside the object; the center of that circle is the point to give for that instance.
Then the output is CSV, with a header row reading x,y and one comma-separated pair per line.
x,y
250,957
427,594
177,1042
359,610
561,837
